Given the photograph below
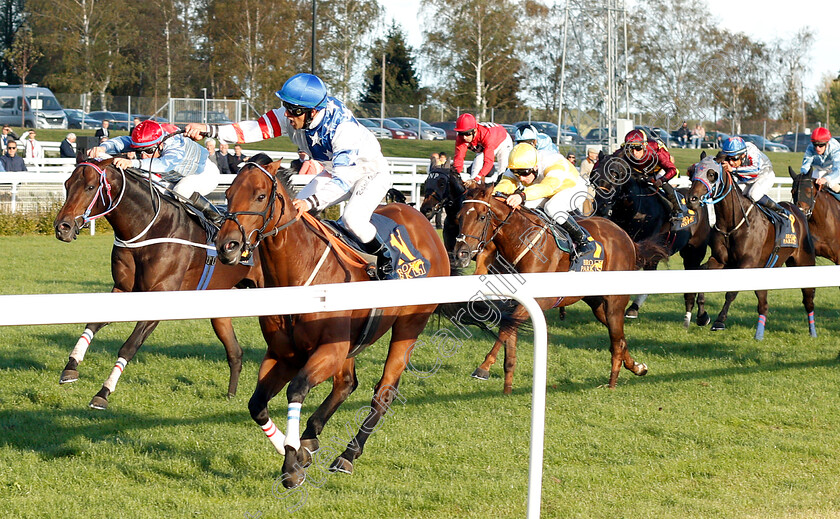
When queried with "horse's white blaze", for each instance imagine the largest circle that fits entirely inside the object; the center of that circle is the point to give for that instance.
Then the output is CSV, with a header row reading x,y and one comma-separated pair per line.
x,y
111,383
82,345
470,210
275,436
293,426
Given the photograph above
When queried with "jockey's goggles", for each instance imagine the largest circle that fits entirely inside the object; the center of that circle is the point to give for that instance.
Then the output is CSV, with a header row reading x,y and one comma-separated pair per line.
x,y
733,158
148,149
524,172
820,144
636,146
295,110
467,133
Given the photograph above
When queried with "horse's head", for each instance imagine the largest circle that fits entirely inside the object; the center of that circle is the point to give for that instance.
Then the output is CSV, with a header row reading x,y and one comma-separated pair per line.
x,y
93,190
609,177
707,183
804,190
259,203
435,193
476,220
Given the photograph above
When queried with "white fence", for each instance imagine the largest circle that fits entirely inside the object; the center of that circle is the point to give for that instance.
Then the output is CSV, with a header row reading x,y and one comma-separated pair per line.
x,y
83,308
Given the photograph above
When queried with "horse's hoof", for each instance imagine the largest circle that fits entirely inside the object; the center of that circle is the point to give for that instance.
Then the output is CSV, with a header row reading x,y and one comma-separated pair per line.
x,y
718,326
341,465
703,319
640,369
68,376
307,449
632,312
98,402
294,480
508,390
481,374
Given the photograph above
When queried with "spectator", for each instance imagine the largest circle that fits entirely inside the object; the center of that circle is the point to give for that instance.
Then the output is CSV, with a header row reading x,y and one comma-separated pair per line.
x,y
103,131
297,164
68,147
697,136
434,160
32,148
11,161
683,135
224,154
443,160
7,135
571,158
216,158
235,159
134,124
589,162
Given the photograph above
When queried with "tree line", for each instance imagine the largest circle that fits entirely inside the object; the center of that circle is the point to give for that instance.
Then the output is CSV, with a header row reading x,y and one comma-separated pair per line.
x,y
500,54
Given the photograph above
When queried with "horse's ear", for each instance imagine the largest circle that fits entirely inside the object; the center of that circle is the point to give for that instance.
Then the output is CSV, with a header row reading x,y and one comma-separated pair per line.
x,y
811,171
702,155
792,173
600,155
719,157
81,155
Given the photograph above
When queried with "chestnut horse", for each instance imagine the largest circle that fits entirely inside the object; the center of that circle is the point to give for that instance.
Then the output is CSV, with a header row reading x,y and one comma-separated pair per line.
x,y
305,350
743,237
823,212
520,238
158,246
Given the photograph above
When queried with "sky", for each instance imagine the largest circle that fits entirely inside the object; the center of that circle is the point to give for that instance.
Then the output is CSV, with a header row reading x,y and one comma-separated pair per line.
x,y
762,20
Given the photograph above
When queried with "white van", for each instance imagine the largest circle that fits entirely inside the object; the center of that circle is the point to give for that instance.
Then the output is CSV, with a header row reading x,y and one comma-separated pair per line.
x,y
40,109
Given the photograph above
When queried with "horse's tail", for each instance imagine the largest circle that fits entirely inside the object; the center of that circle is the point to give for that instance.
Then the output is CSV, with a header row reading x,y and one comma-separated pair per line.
x,y
650,252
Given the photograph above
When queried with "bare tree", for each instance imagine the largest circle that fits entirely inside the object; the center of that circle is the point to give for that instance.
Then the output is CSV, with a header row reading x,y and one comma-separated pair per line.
x,y
345,31
793,56
21,57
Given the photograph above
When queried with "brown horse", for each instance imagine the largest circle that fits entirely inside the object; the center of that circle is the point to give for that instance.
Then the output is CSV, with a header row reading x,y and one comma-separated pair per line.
x,y
158,246
745,238
305,350
823,212
520,238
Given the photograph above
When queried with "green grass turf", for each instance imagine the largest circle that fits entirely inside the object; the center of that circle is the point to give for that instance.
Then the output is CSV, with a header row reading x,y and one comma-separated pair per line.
x,y
722,426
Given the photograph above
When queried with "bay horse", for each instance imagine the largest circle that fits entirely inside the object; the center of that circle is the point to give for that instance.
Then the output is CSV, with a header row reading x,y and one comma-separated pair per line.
x,y
520,238
625,197
823,212
745,238
305,350
158,246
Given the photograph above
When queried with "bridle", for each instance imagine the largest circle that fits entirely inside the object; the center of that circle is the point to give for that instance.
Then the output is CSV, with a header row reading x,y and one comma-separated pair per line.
x,y
483,240
266,214
719,191
442,198
799,196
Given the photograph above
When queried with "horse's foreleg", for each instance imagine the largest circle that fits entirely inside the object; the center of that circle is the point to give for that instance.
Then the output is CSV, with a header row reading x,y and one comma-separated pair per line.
x,y
761,295
720,322
126,353
224,331
71,370
808,302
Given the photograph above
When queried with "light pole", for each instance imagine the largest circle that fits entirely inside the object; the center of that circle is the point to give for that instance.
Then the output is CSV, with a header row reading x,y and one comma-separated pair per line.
x,y
204,107
314,10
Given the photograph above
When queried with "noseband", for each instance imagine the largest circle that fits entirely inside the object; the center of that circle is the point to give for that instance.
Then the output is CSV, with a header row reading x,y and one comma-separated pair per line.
x,y
482,240
266,214
103,193
801,196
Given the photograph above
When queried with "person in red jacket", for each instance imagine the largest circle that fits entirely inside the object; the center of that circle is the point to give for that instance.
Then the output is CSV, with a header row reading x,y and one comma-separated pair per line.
x,y
651,159
491,144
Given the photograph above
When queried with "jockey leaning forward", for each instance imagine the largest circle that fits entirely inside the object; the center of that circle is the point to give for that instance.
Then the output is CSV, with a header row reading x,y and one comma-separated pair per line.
x,y
824,156
651,159
550,182
749,166
179,162
489,141
355,170
535,138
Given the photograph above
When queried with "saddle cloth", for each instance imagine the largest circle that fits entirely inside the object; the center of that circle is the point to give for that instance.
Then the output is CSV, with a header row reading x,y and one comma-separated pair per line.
x,y
590,262
406,261
785,235
689,216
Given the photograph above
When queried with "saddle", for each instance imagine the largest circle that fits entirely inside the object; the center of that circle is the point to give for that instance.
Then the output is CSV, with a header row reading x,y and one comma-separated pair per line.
x,y
590,262
406,261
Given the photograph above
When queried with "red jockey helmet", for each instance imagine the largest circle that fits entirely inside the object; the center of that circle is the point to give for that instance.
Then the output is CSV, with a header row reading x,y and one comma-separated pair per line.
x,y
821,136
635,137
149,132
465,123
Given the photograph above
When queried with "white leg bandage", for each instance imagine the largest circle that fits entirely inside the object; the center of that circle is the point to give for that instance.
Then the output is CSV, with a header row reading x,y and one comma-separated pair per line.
x,y
275,436
82,346
293,426
111,383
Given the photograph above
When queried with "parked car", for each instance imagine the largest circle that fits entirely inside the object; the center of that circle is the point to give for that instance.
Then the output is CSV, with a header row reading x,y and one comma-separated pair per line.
x,y
511,129
78,119
597,136
426,130
448,127
794,141
397,131
762,143
197,116
40,109
567,136
103,115
379,133
658,133
152,117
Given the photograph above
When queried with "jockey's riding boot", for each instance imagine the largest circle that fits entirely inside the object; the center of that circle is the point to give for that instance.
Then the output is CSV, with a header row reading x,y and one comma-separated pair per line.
x,y
676,214
383,257
767,202
583,244
208,209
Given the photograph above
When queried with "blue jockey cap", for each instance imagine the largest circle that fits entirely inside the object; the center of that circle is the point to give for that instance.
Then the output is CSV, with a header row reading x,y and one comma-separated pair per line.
x,y
306,90
734,146
526,133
